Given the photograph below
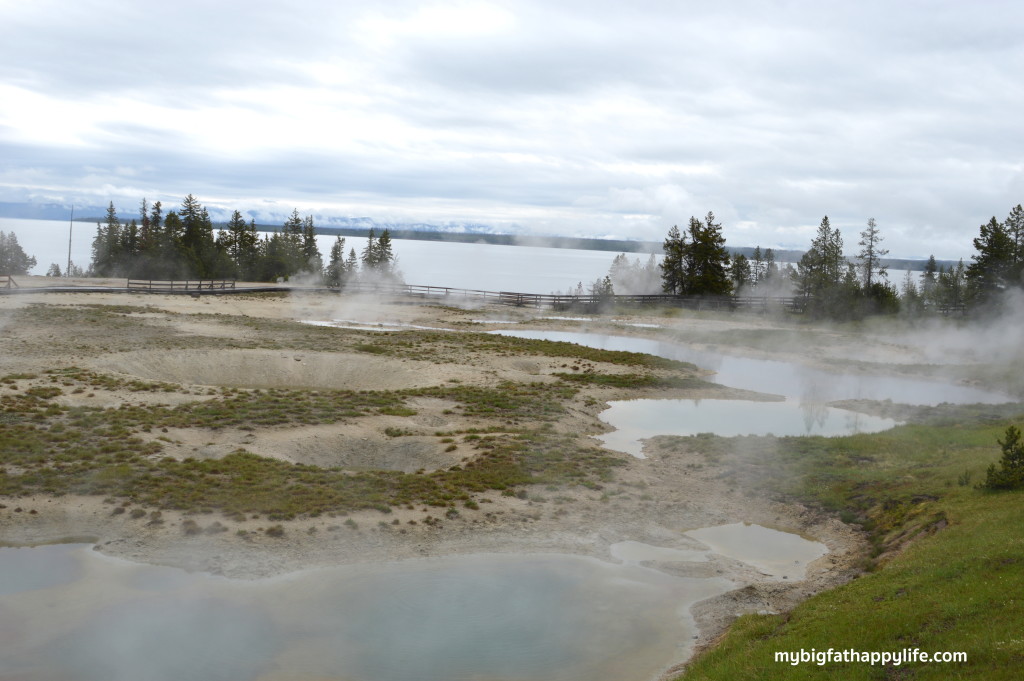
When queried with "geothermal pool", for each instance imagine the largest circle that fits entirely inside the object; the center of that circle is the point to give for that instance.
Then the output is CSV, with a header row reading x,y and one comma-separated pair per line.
x,y
802,411
788,379
68,612
635,420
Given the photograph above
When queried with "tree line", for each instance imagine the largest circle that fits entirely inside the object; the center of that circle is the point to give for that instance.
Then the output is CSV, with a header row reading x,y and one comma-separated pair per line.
x,y
826,282
185,244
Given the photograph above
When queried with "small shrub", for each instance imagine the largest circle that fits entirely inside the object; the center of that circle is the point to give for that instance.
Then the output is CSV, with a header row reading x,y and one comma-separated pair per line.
x,y
275,531
1010,474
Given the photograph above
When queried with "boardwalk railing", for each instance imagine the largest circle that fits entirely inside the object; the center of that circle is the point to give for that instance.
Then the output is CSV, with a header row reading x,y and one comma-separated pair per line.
x,y
578,302
154,286
7,281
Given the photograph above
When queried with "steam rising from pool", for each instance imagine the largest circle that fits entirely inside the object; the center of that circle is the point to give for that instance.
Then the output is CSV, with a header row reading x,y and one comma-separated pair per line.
x,y
534,617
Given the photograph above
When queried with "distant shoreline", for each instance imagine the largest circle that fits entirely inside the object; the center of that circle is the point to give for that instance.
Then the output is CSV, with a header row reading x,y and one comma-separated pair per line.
x,y
578,243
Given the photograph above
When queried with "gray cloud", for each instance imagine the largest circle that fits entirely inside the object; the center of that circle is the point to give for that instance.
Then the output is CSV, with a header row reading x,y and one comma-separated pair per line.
x,y
580,118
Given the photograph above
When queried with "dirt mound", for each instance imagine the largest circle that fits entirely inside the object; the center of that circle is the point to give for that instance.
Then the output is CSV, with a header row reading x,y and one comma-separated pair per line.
x,y
266,369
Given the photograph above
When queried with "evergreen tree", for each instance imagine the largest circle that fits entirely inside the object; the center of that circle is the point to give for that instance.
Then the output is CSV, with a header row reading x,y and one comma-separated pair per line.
x,y
106,246
757,266
929,280
196,246
1015,230
951,287
673,264
709,261
370,255
232,239
871,254
696,262
170,263
13,259
911,300
771,269
992,268
352,263
385,255
334,274
741,271
312,260
1014,226
147,241
1010,474
822,277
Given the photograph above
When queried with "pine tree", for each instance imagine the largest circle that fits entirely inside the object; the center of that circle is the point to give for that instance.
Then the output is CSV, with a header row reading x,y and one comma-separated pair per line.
x,y
1010,474
334,273
871,255
351,263
370,256
708,263
1014,226
911,301
771,269
992,268
757,266
821,276
673,265
106,246
385,256
741,271
929,281
13,259
312,260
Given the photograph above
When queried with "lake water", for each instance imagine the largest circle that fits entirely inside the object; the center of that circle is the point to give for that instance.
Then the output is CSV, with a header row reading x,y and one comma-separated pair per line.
x,y
524,269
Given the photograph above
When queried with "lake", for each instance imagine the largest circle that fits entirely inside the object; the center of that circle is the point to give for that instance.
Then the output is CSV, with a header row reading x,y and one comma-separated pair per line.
x,y
524,269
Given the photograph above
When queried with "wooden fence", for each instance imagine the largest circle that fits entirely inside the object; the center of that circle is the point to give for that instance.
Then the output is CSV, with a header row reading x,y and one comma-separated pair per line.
x,y
7,281
579,302
186,286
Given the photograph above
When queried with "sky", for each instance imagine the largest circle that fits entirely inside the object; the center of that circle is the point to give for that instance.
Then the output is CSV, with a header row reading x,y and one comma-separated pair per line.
x,y
593,118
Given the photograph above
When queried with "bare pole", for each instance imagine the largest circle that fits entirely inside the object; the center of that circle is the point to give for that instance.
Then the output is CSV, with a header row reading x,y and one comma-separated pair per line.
x,y
71,226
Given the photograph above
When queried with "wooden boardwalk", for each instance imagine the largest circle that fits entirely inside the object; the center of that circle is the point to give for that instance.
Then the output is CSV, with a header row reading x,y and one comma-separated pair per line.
x,y
558,301
440,294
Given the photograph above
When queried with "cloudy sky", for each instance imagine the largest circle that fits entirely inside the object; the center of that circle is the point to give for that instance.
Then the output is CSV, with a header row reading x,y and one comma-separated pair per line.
x,y
574,117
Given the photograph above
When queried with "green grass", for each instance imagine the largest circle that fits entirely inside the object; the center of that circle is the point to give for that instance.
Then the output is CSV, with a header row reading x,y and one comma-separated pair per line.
x,y
955,586
57,450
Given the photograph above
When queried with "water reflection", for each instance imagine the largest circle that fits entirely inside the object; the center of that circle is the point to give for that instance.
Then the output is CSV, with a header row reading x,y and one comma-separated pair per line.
x,y
635,420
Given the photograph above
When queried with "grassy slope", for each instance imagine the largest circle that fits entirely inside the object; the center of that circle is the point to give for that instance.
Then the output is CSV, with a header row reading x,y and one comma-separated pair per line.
x,y
958,585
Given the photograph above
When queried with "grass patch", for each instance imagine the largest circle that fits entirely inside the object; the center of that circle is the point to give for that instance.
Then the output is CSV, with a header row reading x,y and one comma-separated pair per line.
x,y
57,450
949,590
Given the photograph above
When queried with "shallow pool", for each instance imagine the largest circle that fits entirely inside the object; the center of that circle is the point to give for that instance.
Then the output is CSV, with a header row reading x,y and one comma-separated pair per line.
x,y
788,379
535,617
635,420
